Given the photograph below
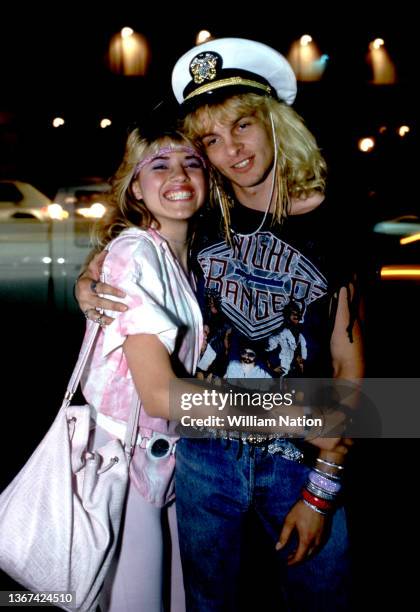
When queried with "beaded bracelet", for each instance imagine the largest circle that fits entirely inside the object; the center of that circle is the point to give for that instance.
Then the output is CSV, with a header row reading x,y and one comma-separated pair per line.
x,y
319,492
320,480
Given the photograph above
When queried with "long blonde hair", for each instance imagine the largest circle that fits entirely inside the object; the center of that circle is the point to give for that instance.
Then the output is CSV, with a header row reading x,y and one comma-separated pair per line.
x,y
124,209
301,169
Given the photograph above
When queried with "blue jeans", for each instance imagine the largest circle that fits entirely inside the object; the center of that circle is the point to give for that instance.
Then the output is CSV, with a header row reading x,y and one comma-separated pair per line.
x,y
215,490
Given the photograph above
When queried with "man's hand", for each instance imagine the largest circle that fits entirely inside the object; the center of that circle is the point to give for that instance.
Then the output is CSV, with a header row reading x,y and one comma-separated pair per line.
x,y
89,291
309,526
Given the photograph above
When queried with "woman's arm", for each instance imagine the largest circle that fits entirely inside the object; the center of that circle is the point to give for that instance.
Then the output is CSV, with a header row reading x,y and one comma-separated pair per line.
x,y
150,366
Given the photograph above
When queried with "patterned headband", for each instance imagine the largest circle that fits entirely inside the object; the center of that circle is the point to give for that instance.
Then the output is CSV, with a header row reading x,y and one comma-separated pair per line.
x,y
164,151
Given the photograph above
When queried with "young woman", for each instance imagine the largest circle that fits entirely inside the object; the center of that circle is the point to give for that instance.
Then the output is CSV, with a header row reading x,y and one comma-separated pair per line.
x,y
156,191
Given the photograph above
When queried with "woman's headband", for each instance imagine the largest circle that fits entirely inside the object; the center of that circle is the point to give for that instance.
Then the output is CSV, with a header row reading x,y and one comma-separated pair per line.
x,y
164,151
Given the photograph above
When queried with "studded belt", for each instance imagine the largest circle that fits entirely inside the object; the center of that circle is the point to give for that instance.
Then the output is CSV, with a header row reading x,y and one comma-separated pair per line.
x,y
272,443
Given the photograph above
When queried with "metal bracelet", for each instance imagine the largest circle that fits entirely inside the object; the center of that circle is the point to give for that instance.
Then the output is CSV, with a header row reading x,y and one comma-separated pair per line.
x,y
330,463
318,492
314,508
326,474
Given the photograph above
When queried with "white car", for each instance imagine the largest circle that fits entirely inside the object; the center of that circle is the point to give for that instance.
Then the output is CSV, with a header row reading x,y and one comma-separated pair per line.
x,y
75,208
20,200
44,243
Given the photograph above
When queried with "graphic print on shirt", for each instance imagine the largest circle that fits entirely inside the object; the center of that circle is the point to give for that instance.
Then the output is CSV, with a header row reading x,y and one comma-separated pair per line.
x,y
256,280
286,351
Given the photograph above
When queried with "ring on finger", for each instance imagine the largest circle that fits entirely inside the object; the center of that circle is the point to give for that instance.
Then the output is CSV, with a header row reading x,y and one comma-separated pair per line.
x,y
93,286
100,320
86,313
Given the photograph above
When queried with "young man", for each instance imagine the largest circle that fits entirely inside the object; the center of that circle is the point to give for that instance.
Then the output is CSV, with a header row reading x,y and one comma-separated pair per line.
x,y
269,246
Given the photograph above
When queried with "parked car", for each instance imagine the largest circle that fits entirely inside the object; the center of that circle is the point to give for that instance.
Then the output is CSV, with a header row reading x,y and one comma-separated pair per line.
x,y
20,200
43,246
78,207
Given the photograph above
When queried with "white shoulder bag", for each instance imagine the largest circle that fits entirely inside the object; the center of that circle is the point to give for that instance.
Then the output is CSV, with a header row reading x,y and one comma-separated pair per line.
x,y
60,516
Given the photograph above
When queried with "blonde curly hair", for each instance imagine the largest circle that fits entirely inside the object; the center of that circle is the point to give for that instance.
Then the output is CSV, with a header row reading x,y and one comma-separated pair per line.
x,y
301,168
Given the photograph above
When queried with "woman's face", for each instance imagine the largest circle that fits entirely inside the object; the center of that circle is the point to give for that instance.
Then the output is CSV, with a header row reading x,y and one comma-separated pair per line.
x,y
173,184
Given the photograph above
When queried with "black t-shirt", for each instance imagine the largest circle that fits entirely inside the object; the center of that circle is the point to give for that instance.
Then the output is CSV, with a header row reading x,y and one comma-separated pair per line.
x,y
272,293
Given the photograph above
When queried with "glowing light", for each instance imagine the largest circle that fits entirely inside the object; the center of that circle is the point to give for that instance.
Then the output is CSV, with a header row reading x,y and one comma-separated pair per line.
x,y
405,225
409,239
129,53
306,60
58,122
46,260
396,272
366,144
377,43
403,130
96,211
383,68
57,212
127,32
105,123
202,37
382,129
305,40
60,260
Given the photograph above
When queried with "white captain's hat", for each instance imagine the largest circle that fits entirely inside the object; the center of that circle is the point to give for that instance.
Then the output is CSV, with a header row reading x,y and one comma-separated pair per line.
x,y
227,66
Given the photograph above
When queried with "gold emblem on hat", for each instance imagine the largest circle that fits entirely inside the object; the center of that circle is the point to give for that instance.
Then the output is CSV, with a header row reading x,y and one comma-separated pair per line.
x,y
204,67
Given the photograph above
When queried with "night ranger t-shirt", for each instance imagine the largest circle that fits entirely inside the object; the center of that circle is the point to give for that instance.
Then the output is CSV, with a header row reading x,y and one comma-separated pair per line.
x,y
269,297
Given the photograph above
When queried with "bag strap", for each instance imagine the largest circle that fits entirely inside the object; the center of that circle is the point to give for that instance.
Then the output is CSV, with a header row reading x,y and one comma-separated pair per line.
x,y
132,424
92,331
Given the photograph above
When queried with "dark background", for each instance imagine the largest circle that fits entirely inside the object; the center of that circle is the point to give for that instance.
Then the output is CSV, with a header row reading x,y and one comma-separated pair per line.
x,y
52,63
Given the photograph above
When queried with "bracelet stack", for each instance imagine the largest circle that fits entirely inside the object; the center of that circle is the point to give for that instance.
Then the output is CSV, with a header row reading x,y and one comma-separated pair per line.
x,y
323,486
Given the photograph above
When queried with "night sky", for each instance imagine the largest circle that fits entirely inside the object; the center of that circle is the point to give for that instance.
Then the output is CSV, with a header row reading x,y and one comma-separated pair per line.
x,y
61,52
52,62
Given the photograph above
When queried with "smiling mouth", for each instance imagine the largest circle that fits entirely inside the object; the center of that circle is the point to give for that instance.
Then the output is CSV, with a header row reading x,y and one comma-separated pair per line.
x,y
242,164
175,196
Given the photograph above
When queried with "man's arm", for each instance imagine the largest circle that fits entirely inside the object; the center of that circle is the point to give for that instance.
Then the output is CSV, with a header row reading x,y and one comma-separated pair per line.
x,y
87,298
88,289
348,363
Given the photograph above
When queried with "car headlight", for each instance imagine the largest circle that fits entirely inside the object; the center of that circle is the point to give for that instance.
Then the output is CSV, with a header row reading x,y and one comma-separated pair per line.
x,y
95,211
56,212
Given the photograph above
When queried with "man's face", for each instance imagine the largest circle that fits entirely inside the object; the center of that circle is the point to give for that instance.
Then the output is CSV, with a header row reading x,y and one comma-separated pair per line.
x,y
294,317
247,356
241,149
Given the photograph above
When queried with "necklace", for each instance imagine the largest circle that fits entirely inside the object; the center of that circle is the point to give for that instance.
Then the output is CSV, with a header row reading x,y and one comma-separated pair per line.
x,y
232,231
